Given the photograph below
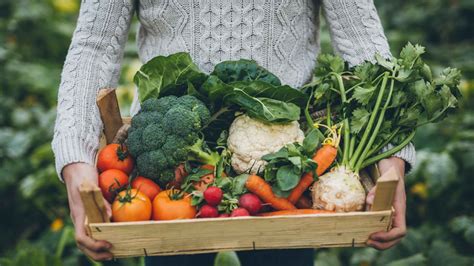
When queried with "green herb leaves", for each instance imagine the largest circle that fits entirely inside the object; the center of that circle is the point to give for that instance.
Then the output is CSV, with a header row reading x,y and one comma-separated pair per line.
x,y
383,102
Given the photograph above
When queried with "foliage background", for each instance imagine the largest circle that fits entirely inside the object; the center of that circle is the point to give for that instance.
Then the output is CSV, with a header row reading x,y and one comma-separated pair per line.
x,y
34,38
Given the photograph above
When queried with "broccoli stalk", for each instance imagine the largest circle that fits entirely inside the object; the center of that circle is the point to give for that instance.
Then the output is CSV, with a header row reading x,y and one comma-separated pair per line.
x,y
198,154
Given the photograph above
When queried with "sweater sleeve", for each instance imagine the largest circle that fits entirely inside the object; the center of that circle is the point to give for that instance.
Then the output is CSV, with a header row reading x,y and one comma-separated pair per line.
x,y
93,62
357,35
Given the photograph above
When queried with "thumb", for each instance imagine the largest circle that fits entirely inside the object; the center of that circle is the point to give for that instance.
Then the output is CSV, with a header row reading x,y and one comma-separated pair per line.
x,y
108,209
369,200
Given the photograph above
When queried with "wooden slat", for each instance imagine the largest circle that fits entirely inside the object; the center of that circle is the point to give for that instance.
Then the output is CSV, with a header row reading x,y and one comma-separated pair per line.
x,y
386,186
93,203
243,233
109,113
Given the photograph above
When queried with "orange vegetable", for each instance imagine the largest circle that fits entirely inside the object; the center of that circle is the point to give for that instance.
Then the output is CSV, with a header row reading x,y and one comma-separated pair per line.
x,y
304,203
115,156
262,189
146,186
111,181
324,157
131,205
294,212
173,204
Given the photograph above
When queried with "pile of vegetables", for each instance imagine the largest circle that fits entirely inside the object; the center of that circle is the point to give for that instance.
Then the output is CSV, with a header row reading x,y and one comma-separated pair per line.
x,y
236,142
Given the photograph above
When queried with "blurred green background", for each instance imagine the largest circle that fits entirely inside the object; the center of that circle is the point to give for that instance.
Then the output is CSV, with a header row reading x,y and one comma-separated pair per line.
x,y
36,229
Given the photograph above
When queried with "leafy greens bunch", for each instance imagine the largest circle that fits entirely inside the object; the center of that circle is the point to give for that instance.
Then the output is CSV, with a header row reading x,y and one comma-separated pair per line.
x,y
381,103
232,86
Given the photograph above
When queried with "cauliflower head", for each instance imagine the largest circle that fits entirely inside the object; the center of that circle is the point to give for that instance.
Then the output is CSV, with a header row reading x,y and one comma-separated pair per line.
x,y
250,139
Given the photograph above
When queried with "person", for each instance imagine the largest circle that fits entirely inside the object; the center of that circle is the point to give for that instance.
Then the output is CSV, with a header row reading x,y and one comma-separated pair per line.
x,y
280,35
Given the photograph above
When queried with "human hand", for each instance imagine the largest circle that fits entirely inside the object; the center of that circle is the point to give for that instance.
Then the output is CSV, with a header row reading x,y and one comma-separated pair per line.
x,y
74,175
384,240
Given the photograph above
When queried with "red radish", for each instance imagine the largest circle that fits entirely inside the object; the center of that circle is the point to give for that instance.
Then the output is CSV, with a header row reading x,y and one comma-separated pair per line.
x,y
208,211
239,212
213,196
251,203
224,215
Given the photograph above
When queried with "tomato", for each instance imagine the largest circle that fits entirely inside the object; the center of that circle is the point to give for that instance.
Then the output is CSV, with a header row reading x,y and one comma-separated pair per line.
x,y
146,186
111,181
170,205
131,205
115,156
206,179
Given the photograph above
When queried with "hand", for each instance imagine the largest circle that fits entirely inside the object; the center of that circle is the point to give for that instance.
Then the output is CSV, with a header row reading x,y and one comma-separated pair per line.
x,y
74,175
384,240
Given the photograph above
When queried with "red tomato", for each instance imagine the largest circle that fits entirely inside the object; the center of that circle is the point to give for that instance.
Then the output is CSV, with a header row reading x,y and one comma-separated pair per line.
x,y
115,156
168,206
146,186
130,206
111,181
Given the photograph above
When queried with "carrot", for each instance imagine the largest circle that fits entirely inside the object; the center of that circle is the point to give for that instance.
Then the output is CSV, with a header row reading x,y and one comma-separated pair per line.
x,y
324,157
294,212
304,203
262,189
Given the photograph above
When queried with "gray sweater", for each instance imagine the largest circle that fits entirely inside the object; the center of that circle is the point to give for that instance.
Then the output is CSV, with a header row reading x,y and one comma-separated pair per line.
x,y
281,35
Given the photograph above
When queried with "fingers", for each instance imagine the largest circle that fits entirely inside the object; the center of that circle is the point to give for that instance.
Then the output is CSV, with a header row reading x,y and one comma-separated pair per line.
x,y
108,208
95,249
394,234
369,200
382,245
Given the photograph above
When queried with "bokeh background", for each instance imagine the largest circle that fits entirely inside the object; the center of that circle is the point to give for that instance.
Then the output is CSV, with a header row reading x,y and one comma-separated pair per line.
x,y
34,218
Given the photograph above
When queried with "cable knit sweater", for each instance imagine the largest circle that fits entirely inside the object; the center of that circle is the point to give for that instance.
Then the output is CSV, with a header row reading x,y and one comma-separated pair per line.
x,y
281,35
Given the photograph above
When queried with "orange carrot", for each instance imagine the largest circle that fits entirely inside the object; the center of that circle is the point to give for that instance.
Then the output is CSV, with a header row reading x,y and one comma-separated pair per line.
x,y
294,212
324,157
262,189
304,203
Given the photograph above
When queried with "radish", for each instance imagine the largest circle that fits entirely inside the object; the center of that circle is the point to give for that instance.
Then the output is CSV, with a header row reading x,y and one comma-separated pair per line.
x,y
239,212
208,211
251,203
213,196
224,215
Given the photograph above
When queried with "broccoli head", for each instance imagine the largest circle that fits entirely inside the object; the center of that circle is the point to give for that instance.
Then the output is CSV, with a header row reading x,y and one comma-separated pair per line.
x,y
166,133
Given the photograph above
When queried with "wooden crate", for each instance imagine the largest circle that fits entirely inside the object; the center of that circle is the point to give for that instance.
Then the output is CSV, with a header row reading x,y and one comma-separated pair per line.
x,y
154,238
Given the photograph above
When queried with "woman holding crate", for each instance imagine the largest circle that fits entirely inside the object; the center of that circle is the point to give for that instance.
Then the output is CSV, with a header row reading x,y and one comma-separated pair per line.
x,y
280,35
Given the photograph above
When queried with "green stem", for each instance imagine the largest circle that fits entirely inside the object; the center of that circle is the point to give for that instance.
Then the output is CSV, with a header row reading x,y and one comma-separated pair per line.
x,y
383,144
345,152
307,115
375,132
351,146
368,129
328,114
388,153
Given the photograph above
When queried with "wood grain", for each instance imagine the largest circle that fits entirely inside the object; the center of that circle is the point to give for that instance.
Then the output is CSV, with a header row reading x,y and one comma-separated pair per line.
x,y
93,203
385,191
109,113
243,233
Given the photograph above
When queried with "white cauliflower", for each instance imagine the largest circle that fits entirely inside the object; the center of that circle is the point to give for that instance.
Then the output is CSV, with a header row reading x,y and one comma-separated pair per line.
x,y
250,139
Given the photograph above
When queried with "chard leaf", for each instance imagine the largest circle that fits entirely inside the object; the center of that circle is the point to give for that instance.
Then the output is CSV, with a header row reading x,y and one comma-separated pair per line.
x,y
265,109
287,178
310,143
360,117
164,74
238,184
244,70
267,90
364,95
